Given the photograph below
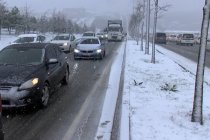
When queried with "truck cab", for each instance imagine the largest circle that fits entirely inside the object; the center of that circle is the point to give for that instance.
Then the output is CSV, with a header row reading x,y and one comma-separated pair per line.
x,y
115,30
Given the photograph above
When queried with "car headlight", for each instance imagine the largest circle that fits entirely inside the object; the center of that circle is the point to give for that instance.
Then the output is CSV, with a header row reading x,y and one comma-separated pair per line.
x,y
29,84
65,44
99,51
76,51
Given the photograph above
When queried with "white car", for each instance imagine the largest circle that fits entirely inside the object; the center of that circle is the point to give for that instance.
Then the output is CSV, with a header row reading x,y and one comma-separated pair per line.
x,y
185,39
90,48
64,41
29,38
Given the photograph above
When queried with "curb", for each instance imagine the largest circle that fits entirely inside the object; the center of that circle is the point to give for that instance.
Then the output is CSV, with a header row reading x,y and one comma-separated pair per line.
x,y
106,121
125,113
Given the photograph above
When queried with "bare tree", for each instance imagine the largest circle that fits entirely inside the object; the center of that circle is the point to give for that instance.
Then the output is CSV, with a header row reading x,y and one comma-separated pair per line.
x,y
147,27
197,113
2,14
135,23
154,31
142,25
156,12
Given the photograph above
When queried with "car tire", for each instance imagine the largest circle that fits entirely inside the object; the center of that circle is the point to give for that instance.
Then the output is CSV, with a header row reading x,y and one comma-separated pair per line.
x,y
75,58
65,80
45,95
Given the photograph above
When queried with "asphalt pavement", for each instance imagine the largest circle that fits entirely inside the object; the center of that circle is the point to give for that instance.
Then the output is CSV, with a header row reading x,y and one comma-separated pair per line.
x,y
74,110
190,52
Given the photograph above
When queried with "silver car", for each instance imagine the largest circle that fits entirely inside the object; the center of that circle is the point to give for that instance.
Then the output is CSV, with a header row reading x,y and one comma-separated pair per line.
x,y
89,48
64,41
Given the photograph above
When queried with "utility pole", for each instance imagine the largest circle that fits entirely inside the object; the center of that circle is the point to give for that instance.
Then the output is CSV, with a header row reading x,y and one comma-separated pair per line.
x,y
147,27
154,31
197,113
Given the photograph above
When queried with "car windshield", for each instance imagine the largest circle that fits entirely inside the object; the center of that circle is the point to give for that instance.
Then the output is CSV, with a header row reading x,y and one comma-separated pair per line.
x,y
90,41
115,29
25,40
88,34
61,38
22,56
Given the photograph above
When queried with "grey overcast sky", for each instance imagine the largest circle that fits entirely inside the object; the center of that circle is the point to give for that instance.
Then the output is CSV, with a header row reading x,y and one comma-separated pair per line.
x,y
181,11
103,5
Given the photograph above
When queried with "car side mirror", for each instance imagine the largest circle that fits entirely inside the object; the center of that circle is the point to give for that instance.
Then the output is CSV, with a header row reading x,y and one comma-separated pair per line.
x,y
52,61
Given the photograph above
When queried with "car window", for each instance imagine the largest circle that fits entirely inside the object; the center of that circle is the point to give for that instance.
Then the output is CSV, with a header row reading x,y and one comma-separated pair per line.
x,y
188,36
72,38
61,38
50,52
42,38
21,56
88,34
161,35
25,40
90,41
58,51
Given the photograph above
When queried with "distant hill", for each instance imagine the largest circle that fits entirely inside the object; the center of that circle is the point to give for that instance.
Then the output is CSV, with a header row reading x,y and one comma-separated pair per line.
x,y
91,19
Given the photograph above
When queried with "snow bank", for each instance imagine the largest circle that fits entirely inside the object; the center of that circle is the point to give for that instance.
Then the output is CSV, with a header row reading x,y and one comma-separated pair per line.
x,y
106,120
157,114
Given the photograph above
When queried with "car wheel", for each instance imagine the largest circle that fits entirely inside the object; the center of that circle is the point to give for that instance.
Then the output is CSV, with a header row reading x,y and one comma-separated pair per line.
x,y
75,58
101,57
45,95
65,80
69,49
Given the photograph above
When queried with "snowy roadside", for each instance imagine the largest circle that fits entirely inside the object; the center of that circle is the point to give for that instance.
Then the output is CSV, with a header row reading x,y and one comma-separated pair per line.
x,y
5,40
155,113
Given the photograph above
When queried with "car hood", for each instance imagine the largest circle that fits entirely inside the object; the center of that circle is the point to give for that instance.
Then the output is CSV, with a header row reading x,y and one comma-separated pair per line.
x,y
15,75
88,47
59,41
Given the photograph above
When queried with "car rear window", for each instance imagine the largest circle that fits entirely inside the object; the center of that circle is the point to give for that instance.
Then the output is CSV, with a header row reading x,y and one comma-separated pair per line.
x,y
22,56
161,35
188,36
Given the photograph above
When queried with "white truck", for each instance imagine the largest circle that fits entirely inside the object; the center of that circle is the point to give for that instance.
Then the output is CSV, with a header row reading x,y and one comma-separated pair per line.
x,y
115,30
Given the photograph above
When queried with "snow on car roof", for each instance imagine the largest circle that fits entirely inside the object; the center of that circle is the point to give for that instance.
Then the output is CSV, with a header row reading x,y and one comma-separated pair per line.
x,y
28,35
63,35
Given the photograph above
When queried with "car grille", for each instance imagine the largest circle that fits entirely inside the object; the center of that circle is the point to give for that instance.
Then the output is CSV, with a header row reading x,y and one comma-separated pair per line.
x,y
60,44
114,37
5,87
87,51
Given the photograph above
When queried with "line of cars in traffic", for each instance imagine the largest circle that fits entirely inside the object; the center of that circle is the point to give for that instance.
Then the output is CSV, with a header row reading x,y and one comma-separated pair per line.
x,y
179,39
32,67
